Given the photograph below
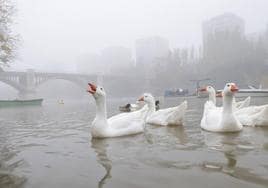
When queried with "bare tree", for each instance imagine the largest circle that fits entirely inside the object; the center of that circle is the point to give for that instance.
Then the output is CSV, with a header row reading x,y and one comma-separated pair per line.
x,y
7,38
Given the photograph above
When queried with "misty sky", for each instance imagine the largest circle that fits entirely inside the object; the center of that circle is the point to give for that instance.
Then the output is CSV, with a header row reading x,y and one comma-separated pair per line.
x,y
55,32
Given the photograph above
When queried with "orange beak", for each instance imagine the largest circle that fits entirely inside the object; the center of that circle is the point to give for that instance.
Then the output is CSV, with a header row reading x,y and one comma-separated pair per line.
x,y
91,88
219,94
141,99
234,88
202,89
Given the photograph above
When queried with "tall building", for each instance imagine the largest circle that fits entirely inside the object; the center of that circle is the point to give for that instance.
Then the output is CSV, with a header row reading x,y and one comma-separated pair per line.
x,y
89,64
110,61
221,35
266,40
227,22
151,49
116,58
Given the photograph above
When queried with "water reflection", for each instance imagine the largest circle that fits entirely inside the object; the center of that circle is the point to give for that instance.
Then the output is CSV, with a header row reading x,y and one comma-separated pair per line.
x,y
179,133
147,135
100,147
230,146
229,149
264,131
7,177
154,134
7,161
160,155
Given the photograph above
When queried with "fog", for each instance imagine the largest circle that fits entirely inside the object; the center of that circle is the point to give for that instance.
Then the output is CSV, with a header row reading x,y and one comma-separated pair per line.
x,y
55,33
142,45
136,66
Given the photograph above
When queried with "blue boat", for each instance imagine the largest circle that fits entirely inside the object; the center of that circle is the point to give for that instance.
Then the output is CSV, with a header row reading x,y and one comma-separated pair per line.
x,y
176,93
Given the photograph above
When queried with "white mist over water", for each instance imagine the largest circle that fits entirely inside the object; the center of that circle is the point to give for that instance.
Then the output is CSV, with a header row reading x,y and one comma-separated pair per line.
x,y
55,33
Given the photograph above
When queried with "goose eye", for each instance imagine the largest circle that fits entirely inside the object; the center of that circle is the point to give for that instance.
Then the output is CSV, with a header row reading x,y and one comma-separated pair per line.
x,y
101,88
228,85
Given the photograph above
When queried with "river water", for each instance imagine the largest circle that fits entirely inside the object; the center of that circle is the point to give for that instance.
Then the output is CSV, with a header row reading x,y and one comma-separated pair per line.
x,y
51,147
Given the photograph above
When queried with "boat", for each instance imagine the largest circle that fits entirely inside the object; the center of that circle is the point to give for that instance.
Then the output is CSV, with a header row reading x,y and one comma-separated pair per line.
x,y
60,101
176,92
251,91
20,102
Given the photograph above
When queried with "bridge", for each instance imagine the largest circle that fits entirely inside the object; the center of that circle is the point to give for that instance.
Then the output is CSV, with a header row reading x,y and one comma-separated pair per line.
x,y
27,82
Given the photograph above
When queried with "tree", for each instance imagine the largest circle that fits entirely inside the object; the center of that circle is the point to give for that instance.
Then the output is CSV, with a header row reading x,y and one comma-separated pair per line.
x,y
7,38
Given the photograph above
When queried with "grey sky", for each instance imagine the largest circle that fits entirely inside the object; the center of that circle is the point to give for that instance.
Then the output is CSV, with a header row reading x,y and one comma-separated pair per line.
x,y
55,32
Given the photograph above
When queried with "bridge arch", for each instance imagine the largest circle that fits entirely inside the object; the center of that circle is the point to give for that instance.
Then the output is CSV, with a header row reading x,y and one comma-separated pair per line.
x,y
13,84
28,82
58,89
79,82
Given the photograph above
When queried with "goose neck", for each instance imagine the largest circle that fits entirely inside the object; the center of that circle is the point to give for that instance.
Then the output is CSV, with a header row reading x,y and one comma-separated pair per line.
x,y
212,97
227,103
101,108
151,107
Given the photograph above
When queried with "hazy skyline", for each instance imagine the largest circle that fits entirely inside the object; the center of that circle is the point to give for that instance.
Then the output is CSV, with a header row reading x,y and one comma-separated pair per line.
x,y
55,33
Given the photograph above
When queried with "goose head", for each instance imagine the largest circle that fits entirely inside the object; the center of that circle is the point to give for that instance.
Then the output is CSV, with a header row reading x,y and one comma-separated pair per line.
x,y
147,98
230,89
208,89
211,93
96,91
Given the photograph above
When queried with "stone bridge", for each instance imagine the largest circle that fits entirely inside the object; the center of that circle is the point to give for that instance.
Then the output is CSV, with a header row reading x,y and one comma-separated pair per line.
x,y
27,82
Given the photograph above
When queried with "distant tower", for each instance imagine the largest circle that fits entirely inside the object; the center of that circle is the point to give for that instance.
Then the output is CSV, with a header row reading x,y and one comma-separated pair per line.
x,y
116,58
221,34
151,51
151,48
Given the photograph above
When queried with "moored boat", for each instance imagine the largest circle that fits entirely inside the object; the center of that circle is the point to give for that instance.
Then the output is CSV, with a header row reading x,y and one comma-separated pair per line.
x,y
252,93
241,93
20,102
249,92
176,92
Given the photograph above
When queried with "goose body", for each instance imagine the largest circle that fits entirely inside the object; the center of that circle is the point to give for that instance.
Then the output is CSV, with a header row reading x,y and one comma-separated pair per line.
x,y
247,115
253,115
168,116
217,119
118,125
242,104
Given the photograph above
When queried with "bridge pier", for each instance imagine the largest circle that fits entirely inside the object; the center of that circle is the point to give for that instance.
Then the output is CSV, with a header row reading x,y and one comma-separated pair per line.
x,y
26,94
28,83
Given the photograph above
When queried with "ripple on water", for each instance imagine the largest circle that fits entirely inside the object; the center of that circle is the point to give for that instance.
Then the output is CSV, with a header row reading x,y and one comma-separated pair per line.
x,y
8,180
265,146
31,145
245,147
211,166
60,138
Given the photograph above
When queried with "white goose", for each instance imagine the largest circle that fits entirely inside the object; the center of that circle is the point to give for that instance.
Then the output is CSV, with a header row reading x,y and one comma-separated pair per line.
x,y
247,115
212,97
168,116
119,125
211,93
253,115
218,119
242,104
